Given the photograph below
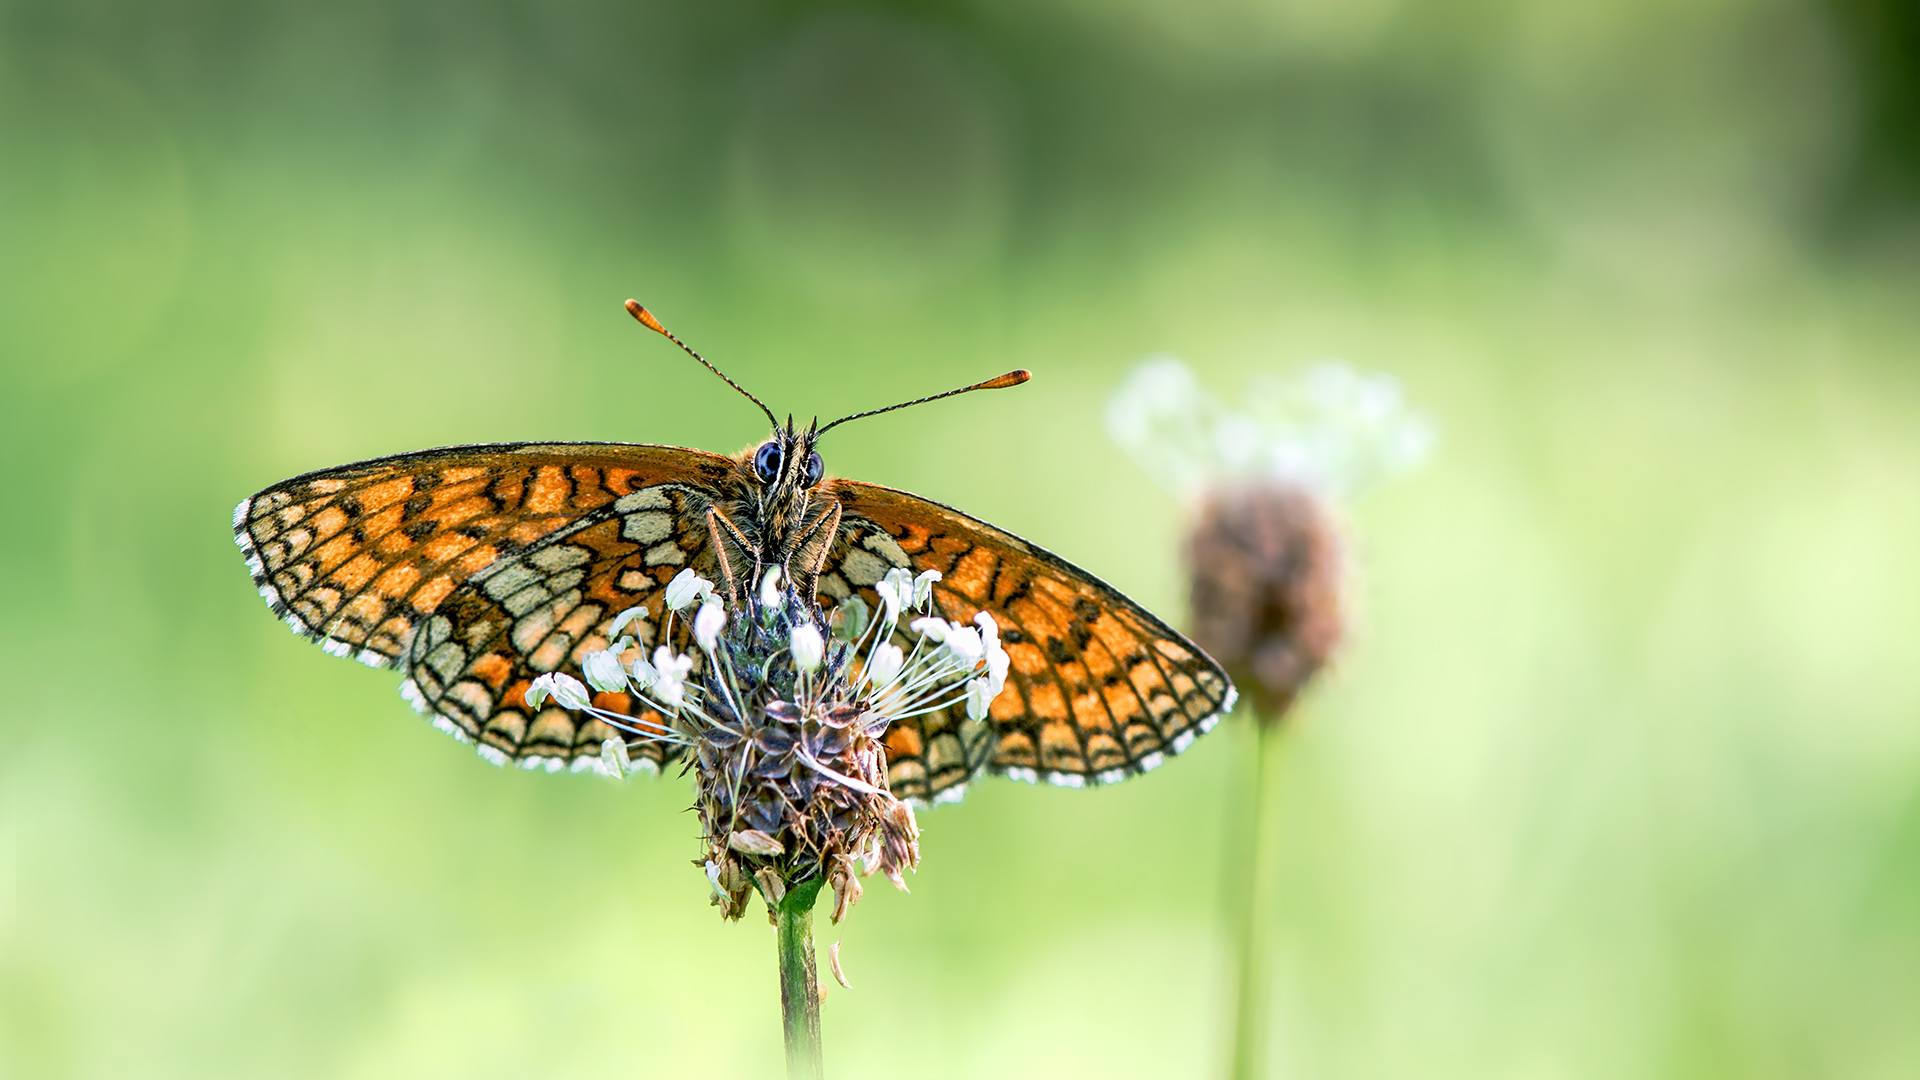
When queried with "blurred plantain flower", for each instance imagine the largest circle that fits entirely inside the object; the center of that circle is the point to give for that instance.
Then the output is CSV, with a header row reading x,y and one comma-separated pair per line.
x,y
1266,566
1264,554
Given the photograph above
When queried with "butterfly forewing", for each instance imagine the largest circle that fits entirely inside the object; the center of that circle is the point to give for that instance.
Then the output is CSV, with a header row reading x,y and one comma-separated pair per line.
x,y
475,569
1099,688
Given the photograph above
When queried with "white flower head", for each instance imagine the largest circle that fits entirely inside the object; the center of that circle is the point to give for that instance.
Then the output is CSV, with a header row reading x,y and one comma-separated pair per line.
x,y
708,624
931,627
808,647
642,673
686,587
565,690
923,588
604,671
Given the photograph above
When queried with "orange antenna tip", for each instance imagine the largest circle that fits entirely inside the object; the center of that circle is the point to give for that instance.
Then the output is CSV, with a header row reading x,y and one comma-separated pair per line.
x,y
646,318
999,382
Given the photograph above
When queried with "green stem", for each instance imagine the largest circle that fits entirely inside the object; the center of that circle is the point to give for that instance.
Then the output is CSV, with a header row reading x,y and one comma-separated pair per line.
x,y
799,983
1249,915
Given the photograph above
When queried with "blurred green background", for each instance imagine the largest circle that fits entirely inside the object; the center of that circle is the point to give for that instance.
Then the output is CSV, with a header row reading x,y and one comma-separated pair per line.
x,y
1619,777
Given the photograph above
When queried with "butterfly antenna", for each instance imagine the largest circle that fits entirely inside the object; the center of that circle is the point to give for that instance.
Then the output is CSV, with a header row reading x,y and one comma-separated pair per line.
x,y
1001,382
647,320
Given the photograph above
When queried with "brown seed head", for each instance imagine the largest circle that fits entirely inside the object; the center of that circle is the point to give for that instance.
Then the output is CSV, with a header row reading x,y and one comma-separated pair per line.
x,y
1266,563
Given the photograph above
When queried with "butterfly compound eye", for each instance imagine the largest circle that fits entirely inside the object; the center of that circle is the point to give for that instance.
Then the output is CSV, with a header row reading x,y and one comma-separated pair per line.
x,y
766,462
815,469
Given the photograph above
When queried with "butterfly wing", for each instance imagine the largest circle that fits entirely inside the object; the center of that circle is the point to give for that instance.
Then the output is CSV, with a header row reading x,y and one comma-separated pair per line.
x,y
1099,688
474,569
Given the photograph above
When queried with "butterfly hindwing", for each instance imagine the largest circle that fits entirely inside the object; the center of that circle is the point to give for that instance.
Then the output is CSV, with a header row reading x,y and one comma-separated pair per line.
x,y
1099,689
476,568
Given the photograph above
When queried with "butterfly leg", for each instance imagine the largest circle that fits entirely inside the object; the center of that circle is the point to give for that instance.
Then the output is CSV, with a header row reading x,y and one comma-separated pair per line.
x,y
715,519
824,530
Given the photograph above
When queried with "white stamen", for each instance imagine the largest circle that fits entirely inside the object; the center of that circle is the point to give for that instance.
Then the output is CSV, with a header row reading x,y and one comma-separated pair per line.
x,y
923,587
686,587
604,672
885,664
808,647
708,624
625,619
567,692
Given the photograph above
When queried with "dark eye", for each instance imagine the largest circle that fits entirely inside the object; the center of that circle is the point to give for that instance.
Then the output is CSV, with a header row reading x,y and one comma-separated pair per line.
x,y
766,462
815,467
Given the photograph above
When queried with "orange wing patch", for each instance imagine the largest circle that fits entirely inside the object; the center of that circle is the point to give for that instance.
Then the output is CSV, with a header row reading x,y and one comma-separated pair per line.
x,y
475,568
1099,689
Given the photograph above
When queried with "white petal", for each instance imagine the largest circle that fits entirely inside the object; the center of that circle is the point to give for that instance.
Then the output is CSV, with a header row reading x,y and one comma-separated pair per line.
x,y
931,628
770,587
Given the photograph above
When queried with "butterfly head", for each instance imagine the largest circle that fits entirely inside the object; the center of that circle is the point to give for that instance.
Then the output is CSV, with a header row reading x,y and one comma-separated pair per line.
x,y
786,460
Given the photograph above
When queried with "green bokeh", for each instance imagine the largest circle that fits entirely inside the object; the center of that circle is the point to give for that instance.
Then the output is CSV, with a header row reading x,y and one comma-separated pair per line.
x,y
1619,777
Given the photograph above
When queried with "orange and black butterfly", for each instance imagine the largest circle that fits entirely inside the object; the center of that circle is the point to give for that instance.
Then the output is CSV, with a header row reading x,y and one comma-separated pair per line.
x,y
475,569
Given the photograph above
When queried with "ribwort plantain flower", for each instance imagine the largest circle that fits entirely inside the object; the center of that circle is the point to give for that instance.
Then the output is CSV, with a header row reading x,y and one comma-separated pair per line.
x,y
1262,484
784,725
1266,566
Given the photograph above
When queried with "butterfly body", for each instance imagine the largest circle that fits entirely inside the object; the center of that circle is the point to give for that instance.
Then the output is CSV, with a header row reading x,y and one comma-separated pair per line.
x,y
473,570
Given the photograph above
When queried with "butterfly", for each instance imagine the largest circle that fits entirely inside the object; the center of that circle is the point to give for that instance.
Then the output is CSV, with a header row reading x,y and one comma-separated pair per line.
x,y
473,570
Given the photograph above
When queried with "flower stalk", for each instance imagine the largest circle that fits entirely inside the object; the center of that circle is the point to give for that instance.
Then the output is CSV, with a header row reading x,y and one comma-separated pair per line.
x,y
799,980
1248,897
